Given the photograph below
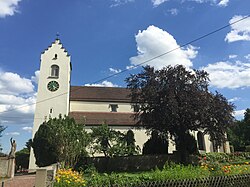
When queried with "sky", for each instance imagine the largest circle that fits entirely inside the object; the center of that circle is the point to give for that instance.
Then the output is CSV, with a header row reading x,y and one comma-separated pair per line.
x,y
105,37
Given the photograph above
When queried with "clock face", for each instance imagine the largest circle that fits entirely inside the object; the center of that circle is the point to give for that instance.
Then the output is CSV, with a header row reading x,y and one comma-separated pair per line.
x,y
53,86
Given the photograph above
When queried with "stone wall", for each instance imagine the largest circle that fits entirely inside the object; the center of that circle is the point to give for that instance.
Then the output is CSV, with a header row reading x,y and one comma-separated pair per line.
x,y
7,167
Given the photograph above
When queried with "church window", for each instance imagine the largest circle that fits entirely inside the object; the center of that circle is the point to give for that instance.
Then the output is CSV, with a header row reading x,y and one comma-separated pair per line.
x,y
54,71
55,57
201,142
113,107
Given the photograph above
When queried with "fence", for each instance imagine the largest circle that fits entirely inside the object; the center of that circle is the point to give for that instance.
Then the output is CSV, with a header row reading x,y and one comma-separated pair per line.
x,y
218,181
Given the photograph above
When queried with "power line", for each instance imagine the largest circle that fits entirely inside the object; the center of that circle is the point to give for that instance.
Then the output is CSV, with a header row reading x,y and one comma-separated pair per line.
x,y
144,62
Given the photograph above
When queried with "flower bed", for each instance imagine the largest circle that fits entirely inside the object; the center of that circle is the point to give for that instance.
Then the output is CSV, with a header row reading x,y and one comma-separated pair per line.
x,y
170,174
67,177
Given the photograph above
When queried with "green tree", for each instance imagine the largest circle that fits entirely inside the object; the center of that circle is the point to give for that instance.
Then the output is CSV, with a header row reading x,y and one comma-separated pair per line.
x,y
60,140
28,144
113,143
239,133
131,147
45,146
175,101
156,144
2,128
22,156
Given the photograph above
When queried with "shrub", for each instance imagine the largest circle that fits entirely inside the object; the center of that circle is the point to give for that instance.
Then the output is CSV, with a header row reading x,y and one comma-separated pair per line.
x,y
69,178
247,148
155,145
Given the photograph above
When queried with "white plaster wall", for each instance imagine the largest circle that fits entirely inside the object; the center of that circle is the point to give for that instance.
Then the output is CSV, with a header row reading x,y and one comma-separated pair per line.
x,y
208,144
86,106
60,98
140,134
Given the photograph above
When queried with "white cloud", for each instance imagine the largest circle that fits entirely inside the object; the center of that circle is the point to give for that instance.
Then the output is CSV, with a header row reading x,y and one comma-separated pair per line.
x,y
29,129
112,70
158,2
234,99
229,75
153,42
130,67
17,97
115,3
35,78
8,7
173,11
12,134
247,57
240,30
239,114
103,84
232,56
220,3
223,3
12,83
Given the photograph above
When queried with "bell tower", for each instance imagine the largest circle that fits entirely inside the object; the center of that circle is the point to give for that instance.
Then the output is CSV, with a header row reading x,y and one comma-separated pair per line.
x,y
53,87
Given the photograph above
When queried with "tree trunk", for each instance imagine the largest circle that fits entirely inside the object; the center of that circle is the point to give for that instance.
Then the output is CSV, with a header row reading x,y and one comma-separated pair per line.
x,y
182,147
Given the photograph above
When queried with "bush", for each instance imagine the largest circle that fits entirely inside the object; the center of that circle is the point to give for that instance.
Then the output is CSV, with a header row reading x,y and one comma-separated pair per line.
x,y
171,171
237,157
22,159
247,148
68,178
45,150
155,145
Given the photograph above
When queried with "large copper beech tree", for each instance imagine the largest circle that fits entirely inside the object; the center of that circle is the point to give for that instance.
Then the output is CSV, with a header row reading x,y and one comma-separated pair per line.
x,y
174,101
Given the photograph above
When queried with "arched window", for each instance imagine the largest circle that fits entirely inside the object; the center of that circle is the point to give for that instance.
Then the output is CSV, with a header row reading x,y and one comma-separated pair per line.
x,y
201,142
54,71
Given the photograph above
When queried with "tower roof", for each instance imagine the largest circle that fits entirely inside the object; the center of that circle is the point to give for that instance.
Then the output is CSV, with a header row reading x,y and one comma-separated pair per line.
x,y
56,42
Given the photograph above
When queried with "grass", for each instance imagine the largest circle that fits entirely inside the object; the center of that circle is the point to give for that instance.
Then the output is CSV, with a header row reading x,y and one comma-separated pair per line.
x,y
169,172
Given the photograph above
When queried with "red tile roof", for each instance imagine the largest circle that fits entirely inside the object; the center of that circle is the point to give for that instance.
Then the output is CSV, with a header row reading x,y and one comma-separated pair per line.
x,y
108,94
98,118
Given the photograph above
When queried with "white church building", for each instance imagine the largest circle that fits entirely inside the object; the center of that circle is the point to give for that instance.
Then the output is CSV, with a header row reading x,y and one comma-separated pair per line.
x,y
91,105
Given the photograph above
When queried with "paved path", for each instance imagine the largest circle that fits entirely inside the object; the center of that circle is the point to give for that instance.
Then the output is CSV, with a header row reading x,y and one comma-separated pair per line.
x,y
20,181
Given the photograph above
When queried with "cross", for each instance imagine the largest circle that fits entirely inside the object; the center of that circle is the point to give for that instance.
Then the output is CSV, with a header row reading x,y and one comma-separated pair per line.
x,y
57,35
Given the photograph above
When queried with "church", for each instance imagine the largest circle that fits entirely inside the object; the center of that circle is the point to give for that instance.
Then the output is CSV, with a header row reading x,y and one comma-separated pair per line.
x,y
89,105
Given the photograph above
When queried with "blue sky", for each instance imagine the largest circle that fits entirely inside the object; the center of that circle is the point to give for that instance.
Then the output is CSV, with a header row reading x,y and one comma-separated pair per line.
x,y
107,36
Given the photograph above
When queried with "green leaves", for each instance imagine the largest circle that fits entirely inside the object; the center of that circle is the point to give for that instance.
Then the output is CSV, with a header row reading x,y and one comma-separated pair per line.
x,y
2,128
45,148
239,134
60,139
113,143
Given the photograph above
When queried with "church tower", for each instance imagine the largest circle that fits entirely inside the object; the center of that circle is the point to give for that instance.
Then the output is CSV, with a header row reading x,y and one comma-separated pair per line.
x,y
53,87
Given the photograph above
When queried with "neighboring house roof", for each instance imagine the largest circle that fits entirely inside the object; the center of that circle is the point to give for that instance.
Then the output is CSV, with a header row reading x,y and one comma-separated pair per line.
x,y
98,118
110,94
